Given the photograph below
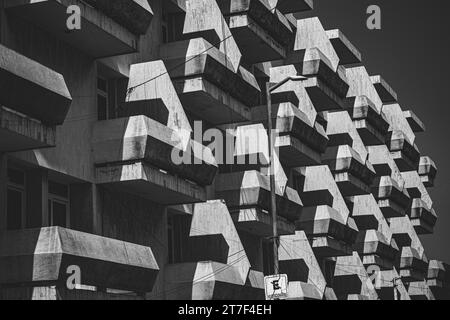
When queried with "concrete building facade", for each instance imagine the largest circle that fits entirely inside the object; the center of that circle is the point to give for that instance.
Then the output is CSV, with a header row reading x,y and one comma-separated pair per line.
x,y
92,121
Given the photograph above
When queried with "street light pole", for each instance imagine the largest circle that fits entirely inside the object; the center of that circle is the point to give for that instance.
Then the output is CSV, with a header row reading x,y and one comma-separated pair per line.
x,y
273,201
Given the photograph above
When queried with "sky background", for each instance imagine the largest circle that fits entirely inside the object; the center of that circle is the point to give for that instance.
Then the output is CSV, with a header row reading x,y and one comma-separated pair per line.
x,y
412,53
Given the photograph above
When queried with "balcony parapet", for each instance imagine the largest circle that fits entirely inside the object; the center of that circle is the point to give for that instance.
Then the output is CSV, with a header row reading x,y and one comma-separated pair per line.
x,y
41,256
135,15
99,37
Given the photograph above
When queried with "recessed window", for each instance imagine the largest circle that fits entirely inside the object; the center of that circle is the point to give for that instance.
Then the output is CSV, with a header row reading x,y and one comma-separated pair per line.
x,y
178,236
58,205
15,200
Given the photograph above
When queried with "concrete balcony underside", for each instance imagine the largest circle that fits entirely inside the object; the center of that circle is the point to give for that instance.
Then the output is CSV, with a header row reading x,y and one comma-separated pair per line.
x,y
209,102
312,63
141,139
440,289
255,42
422,218
352,177
392,201
197,58
347,52
37,257
259,222
299,143
373,243
371,126
270,21
99,36
406,156
19,133
135,15
294,153
32,89
294,6
151,183
376,260
251,189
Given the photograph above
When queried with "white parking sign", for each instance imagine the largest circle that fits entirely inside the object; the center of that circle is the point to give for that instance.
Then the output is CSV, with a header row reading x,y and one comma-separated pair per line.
x,y
276,287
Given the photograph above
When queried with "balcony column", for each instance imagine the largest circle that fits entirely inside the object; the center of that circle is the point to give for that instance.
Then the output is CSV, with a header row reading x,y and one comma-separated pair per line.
x,y
3,179
37,195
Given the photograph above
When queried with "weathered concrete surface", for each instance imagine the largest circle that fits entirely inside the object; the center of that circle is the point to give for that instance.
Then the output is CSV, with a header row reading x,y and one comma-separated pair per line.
x,y
361,85
139,138
156,99
371,125
135,15
99,37
427,171
32,89
347,52
351,279
261,32
297,260
438,279
150,183
43,255
18,132
252,189
385,91
214,29
198,57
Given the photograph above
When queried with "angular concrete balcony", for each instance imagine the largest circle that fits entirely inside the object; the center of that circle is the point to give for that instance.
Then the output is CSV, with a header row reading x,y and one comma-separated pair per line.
x,y
293,6
427,171
351,281
258,222
297,260
37,257
419,290
412,266
422,217
347,52
299,143
207,84
371,125
414,122
135,15
144,156
352,176
386,93
438,279
33,100
328,86
18,132
385,286
99,36
406,155
261,34
375,249
250,189
393,200
329,234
